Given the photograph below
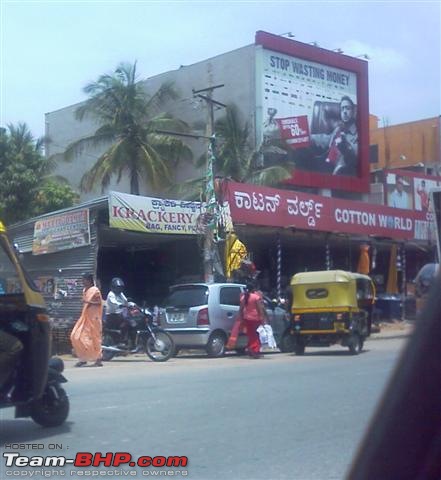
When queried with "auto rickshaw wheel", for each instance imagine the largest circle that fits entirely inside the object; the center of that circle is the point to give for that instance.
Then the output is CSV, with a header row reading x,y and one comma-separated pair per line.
x,y
287,343
299,347
355,344
48,411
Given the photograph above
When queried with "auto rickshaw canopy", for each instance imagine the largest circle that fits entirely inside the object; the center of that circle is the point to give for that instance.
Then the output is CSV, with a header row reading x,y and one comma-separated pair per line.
x,y
329,289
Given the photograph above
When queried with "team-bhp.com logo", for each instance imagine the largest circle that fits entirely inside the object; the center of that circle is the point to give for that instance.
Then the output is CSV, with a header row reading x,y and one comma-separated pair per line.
x,y
97,459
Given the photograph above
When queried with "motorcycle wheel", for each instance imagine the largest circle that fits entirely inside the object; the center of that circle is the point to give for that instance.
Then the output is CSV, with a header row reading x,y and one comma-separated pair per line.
x,y
161,349
107,355
51,412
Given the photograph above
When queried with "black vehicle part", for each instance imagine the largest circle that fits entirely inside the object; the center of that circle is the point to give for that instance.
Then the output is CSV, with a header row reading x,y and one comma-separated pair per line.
x,y
287,342
52,409
107,355
299,346
355,344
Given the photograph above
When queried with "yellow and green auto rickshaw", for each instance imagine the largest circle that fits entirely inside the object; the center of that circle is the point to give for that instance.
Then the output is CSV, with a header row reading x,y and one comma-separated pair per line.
x,y
331,307
30,380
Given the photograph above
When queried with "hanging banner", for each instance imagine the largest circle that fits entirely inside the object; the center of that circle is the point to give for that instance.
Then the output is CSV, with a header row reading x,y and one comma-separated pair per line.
x,y
154,215
252,204
61,232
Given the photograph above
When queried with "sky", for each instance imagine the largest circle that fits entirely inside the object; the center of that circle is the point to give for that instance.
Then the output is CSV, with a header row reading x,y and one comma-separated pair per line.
x,y
51,49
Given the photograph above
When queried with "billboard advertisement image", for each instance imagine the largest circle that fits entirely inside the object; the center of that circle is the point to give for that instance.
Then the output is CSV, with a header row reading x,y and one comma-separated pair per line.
x,y
399,191
312,113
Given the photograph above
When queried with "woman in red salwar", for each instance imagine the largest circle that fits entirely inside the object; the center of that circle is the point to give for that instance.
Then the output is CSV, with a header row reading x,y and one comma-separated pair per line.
x,y
253,314
87,332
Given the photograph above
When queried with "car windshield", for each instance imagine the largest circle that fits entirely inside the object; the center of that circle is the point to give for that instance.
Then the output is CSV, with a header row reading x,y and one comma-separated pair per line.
x,y
188,296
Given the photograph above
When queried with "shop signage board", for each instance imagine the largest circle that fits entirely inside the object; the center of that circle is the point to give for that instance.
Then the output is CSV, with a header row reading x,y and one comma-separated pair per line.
x,y
252,204
153,215
61,232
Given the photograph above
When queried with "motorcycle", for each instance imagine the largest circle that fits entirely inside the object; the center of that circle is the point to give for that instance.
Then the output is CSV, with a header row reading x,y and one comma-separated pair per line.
x,y
143,336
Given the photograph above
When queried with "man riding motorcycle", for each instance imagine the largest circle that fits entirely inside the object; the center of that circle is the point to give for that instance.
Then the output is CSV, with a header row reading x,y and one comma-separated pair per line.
x,y
117,307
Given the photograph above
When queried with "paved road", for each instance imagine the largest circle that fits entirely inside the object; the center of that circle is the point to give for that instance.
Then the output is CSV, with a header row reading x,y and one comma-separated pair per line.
x,y
282,417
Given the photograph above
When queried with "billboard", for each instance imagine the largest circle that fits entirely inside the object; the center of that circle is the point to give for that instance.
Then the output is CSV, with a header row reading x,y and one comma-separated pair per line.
x,y
61,232
409,190
312,113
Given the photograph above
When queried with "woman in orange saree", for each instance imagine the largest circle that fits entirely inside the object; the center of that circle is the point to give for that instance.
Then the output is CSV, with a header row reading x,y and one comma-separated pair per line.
x,y
86,334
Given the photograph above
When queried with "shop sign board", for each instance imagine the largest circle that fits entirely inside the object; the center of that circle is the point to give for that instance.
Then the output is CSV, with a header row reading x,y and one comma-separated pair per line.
x,y
252,204
153,215
61,232
312,112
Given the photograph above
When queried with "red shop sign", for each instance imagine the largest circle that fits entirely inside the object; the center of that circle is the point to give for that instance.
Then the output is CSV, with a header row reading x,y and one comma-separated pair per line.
x,y
252,204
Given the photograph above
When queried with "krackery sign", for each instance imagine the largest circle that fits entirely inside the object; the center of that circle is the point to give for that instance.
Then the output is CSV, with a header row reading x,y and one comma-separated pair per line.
x,y
252,204
154,215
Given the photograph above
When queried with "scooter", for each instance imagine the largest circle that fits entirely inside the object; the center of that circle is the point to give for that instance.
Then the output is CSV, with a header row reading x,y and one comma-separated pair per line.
x,y
143,336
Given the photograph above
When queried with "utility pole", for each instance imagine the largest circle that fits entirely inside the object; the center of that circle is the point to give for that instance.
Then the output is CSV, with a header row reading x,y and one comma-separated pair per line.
x,y
206,94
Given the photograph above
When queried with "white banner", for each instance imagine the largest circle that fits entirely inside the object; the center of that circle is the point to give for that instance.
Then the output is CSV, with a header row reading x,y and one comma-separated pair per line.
x,y
153,215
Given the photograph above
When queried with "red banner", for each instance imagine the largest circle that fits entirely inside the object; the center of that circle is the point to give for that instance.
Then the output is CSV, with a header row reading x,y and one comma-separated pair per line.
x,y
295,131
252,204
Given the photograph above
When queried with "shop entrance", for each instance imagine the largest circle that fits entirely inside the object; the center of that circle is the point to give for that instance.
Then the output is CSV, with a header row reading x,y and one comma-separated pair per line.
x,y
148,264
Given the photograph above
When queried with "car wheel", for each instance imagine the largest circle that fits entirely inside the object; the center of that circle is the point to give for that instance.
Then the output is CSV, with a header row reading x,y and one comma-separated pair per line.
x,y
355,344
287,343
216,345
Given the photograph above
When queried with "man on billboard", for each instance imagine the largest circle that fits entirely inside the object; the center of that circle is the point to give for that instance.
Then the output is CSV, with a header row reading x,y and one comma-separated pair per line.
x,y
423,196
342,144
399,197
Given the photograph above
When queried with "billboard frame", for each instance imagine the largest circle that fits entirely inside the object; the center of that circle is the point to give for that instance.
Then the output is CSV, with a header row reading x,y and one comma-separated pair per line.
x,y
359,183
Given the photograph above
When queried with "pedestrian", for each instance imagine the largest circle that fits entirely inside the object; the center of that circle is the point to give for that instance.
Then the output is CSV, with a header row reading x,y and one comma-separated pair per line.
x,y
87,332
252,312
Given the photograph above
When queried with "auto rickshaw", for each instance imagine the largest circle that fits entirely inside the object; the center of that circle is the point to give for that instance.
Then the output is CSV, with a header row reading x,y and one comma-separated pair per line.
x,y
29,380
331,307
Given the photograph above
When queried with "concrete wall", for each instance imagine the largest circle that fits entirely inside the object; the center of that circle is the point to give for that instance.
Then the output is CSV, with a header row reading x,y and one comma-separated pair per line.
x,y
408,144
233,69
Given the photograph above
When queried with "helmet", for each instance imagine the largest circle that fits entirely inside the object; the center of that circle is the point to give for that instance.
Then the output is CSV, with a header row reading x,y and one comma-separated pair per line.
x,y
117,283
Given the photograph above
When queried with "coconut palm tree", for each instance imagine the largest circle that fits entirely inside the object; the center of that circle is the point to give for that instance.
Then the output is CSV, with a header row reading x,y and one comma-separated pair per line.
x,y
235,159
130,124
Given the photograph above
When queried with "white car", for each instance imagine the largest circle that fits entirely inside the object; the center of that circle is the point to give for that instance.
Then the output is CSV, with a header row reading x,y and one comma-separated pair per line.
x,y
201,316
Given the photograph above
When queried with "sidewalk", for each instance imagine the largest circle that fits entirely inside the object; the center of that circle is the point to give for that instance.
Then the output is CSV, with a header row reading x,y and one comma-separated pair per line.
x,y
391,330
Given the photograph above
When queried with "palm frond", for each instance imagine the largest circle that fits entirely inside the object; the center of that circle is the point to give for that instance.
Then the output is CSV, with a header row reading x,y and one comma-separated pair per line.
x,y
270,176
165,92
189,190
79,146
102,169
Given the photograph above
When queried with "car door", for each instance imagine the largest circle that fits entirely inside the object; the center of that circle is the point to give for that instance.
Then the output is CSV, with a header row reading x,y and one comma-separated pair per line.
x,y
229,303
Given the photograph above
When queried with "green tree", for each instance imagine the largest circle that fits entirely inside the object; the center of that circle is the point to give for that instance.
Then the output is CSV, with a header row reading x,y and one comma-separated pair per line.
x,y
54,195
130,125
235,159
25,174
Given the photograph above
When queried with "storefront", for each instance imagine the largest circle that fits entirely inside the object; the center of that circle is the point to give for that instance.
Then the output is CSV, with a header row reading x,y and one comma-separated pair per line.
x,y
287,232
106,237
